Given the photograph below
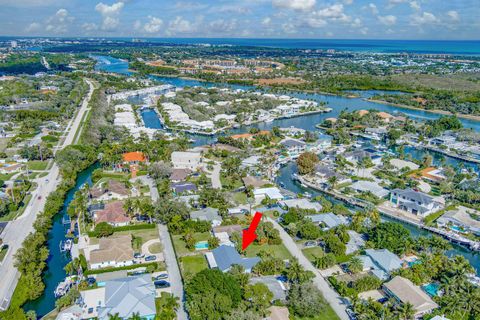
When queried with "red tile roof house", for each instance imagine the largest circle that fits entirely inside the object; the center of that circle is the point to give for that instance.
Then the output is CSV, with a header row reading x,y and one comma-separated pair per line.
x,y
134,159
113,214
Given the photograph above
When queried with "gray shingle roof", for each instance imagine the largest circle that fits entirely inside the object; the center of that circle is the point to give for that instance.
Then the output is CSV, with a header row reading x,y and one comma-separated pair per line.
x,y
127,296
413,195
226,256
385,259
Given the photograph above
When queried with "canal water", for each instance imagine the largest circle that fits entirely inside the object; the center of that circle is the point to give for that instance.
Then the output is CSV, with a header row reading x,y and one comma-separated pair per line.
x,y
57,260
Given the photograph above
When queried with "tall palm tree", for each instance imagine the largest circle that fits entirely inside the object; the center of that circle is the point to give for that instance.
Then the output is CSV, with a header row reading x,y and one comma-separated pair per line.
x,y
355,265
406,311
114,317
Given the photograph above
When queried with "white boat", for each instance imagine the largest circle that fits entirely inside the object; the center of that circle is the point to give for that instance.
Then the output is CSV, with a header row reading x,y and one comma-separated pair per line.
x,y
66,246
269,120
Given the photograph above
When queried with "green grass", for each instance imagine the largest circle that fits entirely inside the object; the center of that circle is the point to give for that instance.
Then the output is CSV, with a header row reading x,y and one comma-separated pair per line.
x,y
155,248
240,198
37,165
191,265
327,314
313,253
13,214
277,250
144,234
6,177
4,143
3,253
180,246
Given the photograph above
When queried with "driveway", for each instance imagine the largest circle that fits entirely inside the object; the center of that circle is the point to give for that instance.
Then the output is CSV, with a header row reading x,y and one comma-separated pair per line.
x,y
332,297
215,176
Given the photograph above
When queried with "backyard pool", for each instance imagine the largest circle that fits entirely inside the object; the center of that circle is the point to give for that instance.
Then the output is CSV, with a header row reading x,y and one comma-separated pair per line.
x,y
431,289
201,245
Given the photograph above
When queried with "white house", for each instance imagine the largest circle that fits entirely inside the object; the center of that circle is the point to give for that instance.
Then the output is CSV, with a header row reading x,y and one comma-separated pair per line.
x,y
415,202
271,193
294,147
186,160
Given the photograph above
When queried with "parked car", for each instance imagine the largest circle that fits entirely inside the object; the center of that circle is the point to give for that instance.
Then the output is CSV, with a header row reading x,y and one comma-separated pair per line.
x,y
351,314
161,276
138,255
161,284
151,258
91,281
311,243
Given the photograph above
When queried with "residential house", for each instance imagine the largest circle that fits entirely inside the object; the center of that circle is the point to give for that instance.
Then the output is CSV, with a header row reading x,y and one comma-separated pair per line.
x,y
355,243
415,202
9,168
466,219
376,133
324,173
113,189
380,262
254,182
328,220
359,155
181,188
301,203
400,164
385,117
369,186
180,175
224,257
404,291
124,297
134,159
186,160
113,213
114,251
272,193
207,214
294,147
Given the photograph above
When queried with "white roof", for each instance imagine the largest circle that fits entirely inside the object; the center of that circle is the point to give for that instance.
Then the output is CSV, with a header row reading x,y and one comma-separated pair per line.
x,y
373,187
400,164
211,260
272,193
302,204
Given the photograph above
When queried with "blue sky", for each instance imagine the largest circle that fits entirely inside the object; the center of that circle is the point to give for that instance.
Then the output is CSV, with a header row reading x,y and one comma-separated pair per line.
x,y
343,19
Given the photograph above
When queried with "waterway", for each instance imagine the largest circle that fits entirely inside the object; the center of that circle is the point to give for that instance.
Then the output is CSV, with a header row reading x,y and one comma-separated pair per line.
x,y
57,260
337,103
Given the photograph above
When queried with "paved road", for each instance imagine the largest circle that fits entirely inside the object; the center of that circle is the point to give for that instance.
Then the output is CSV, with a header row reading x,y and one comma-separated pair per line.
x,y
17,230
169,254
173,270
330,295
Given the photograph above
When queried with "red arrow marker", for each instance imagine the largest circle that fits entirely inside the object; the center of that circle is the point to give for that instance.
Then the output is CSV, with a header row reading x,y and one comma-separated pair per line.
x,y
249,234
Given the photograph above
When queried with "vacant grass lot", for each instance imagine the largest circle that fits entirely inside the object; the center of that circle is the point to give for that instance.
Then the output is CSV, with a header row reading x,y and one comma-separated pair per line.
x,y
180,246
326,314
145,235
37,165
191,265
278,251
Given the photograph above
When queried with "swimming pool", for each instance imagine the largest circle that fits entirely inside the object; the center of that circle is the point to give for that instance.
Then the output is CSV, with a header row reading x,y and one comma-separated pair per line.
x,y
201,245
431,289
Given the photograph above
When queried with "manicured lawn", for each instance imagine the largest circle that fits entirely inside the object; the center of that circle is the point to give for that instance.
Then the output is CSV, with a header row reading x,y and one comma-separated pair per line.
x,y
191,265
145,235
277,250
155,248
37,165
327,314
312,253
6,177
240,197
180,246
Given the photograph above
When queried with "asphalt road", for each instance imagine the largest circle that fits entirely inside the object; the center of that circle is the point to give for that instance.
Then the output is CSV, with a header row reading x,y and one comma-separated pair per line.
x,y
17,230
332,297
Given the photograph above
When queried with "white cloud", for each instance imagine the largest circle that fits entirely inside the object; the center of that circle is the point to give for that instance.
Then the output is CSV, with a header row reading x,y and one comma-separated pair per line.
x,y
266,21
333,12
59,22
453,15
415,5
373,8
137,25
288,28
89,27
356,23
424,18
110,14
180,25
154,25
222,26
348,1
33,27
294,4
387,20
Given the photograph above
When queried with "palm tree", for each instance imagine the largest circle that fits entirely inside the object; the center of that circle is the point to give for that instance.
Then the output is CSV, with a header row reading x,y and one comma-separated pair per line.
x,y
114,317
406,311
296,273
333,181
355,265
135,316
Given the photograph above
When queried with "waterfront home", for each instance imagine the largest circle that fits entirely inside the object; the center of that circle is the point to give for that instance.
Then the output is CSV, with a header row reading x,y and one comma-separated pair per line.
x,y
380,262
293,132
432,174
180,175
293,147
369,186
136,157
224,257
124,297
251,162
376,133
207,214
400,164
324,173
110,190
182,188
355,243
186,160
112,252
328,220
385,117
272,193
404,291
113,213
301,203
356,156
415,202
461,219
